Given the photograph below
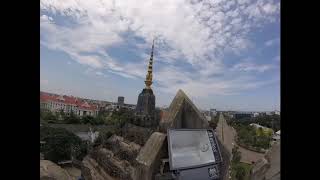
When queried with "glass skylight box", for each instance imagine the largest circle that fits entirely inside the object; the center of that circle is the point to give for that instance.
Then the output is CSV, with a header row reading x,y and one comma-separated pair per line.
x,y
194,154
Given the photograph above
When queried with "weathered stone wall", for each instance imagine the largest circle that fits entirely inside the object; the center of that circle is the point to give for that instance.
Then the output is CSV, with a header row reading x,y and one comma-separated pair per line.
x,y
123,150
268,168
91,170
115,167
50,170
182,113
135,133
225,161
191,118
149,157
149,147
259,170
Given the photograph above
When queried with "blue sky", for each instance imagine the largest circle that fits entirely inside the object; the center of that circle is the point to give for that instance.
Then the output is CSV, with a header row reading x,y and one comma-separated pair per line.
x,y
224,54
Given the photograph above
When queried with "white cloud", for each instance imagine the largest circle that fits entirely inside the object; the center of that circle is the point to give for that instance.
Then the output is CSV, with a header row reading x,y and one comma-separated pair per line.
x,y
272,42
251,67
270,8
99,73
243,1
196,32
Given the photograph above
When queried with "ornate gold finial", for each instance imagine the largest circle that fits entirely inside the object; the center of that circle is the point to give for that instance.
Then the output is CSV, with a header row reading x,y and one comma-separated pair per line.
x,y
148,80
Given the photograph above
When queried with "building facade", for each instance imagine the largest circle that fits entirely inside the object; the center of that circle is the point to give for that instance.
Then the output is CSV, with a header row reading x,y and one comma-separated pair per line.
x,y
265,129
256,114
241,115
120,100
67,104
213,112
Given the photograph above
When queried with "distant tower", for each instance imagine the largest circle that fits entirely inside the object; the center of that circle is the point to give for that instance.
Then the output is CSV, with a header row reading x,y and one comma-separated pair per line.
x,y
120,100
145,109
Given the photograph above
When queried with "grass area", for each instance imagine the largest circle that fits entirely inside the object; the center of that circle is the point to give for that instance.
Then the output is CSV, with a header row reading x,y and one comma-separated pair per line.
x,y
246,167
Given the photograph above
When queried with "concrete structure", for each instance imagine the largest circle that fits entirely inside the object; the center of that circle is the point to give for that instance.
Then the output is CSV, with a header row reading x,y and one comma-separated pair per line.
x,y
227,134
135,133
269,113
111,107
208,118
129,106
276,136
256,114
241,115
213,112
50,170
67,104
265,129
268,168
88,136
182,113
150,155
120,100
116,107
140,153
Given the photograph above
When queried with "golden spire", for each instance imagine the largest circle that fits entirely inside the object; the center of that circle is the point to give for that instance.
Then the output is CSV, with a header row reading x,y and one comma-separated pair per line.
x,y
148,80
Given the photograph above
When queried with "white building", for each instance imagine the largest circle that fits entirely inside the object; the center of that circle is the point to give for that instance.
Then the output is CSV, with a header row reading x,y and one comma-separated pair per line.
x,y
256,114
208,118
67,104
213,112
276,136
116,106
111,107
265,129
269,113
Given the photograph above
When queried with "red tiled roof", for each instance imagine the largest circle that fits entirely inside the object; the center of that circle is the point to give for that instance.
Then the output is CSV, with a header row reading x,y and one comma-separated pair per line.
x,y
90,107
44,97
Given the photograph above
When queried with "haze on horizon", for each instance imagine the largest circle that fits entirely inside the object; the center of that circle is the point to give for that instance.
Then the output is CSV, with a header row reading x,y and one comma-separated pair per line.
x,y
223,54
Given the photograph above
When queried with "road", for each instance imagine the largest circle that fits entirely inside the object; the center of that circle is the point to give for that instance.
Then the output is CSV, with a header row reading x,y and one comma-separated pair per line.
x,y
226,135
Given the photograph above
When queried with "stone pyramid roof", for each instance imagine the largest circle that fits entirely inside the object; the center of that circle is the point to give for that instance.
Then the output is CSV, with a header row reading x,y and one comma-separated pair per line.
x,y
182,113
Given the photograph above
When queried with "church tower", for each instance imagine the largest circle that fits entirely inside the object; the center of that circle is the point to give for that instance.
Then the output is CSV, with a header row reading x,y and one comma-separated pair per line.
x,y
145,109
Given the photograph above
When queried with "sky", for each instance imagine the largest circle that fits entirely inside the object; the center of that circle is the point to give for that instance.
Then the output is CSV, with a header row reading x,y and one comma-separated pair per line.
x,y
224,54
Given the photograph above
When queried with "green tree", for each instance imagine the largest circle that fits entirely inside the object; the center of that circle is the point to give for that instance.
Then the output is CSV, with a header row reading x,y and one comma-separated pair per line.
x,y
260,131
98,120
236,155
103,136
119,118
48,116
213,125
87,119
72,118
240,172
61,115
214,122
61,144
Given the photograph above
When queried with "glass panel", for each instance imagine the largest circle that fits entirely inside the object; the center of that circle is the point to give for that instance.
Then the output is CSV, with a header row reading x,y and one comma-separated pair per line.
x,y
190,148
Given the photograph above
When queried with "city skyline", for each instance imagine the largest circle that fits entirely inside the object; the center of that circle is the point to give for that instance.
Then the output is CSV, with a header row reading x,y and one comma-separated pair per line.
x,y
224,55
